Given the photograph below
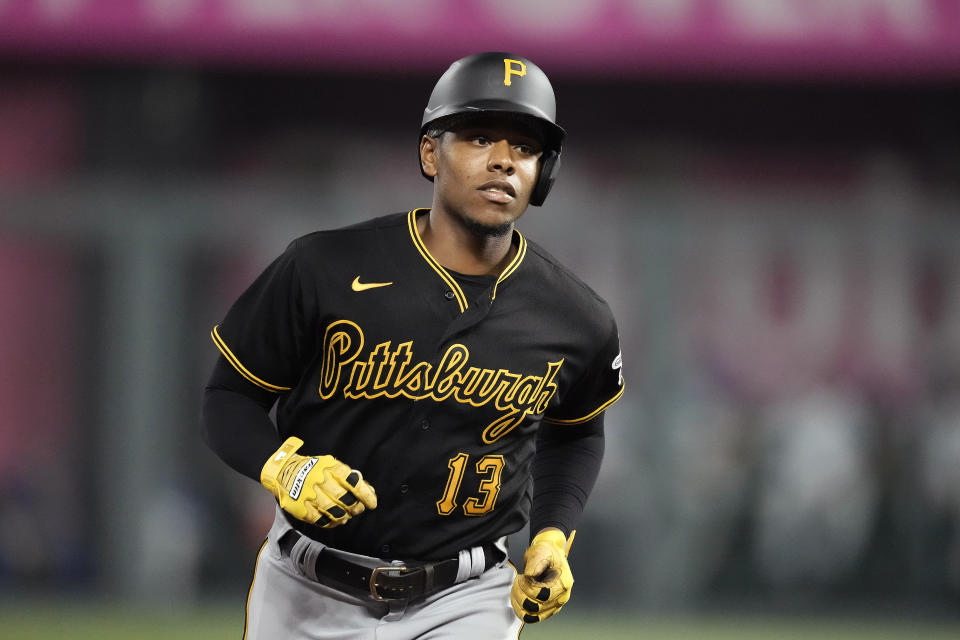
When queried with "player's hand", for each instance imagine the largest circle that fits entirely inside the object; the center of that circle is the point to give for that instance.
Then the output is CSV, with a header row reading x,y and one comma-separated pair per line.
x,y
320,490
545,584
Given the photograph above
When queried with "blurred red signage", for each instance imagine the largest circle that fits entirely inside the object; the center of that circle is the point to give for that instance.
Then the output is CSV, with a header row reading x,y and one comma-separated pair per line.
x,y
871,37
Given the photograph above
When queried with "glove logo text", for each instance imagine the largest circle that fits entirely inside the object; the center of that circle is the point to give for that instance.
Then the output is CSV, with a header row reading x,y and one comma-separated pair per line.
x,y
301,476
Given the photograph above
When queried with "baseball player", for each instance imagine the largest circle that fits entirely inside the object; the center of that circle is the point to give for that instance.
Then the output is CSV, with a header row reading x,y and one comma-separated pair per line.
x,y
439,381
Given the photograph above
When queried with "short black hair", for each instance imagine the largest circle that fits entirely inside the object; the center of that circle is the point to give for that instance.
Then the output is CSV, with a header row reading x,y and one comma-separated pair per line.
x,y
435,131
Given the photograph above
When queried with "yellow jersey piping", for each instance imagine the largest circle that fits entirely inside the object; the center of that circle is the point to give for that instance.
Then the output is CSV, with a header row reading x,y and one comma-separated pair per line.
x,y
449,279
256,566
514,264
443,273
592,414
233,360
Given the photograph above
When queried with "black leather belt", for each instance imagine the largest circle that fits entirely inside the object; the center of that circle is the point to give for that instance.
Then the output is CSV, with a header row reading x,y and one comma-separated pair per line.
x,y
389,582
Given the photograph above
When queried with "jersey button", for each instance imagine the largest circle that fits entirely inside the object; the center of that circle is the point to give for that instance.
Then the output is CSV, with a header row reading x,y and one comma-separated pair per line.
x,y
424,424
449,295
385,549
404,488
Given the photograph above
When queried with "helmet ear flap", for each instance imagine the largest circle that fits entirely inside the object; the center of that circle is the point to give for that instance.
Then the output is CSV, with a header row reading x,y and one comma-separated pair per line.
x,y
549,167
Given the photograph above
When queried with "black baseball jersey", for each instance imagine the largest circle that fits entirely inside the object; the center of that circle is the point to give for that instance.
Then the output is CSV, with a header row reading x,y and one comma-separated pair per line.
x,y
381,359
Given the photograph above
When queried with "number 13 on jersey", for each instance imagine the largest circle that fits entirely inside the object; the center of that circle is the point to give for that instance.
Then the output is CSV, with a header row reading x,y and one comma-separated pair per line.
x,y
489,469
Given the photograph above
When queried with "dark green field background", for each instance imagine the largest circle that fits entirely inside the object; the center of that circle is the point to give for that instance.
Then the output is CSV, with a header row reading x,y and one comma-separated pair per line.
x,y
48,620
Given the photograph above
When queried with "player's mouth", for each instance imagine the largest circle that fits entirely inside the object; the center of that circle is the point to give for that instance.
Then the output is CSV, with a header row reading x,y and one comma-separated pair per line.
x,y
498,191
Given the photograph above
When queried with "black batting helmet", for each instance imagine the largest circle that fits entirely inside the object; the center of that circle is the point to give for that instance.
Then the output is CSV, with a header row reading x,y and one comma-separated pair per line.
x,y
500,83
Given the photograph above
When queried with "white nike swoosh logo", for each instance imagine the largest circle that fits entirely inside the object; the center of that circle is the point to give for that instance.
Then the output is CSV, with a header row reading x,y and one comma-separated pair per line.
x,y
356,285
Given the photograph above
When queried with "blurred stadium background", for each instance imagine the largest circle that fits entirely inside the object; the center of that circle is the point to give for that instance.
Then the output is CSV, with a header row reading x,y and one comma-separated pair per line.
x,y
766,191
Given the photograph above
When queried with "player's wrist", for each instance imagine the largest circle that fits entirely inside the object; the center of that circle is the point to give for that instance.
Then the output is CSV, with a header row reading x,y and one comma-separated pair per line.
x,y
273,467
554,537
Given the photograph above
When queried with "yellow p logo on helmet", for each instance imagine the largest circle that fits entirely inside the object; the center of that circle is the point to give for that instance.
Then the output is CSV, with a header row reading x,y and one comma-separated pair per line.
x,y
510,70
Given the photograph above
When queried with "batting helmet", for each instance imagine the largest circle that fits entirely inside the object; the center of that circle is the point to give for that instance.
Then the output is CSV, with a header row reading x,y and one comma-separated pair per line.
x,y
500,83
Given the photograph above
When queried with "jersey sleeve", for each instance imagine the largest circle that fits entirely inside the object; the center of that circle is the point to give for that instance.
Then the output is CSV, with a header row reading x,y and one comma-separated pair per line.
x,y
262,334
599,387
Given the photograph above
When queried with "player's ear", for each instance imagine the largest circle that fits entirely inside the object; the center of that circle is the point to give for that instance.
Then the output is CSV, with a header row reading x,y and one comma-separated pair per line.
x,y
428,155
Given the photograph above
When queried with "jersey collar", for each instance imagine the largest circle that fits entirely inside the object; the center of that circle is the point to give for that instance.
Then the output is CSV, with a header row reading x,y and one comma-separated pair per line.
x,y
446,276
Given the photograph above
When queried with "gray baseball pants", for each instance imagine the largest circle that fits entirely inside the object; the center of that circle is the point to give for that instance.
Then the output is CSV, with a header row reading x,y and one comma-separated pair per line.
x,y
284,603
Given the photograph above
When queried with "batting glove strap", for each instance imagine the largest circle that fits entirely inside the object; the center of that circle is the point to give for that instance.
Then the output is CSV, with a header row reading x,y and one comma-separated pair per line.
x,y
546,582
320,490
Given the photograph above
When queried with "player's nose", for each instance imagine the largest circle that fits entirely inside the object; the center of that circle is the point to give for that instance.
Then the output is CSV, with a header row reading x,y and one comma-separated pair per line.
x,y
500,157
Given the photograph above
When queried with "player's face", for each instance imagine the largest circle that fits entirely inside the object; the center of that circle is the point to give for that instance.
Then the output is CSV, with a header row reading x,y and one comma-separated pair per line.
x,y
484,173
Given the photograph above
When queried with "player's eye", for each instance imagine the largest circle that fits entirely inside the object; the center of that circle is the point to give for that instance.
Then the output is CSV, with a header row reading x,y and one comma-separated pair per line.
x,y
525,149
481,140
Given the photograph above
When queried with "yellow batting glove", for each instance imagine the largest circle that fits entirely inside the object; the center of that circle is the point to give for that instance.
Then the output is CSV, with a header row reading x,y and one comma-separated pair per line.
x,y
545,584
320,490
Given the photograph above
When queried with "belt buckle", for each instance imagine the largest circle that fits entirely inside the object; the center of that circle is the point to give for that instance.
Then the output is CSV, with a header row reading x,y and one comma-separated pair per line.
x,y
376,573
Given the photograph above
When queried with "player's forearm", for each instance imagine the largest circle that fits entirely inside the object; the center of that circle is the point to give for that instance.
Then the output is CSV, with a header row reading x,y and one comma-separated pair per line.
x,y
236,424
565,470
238,430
